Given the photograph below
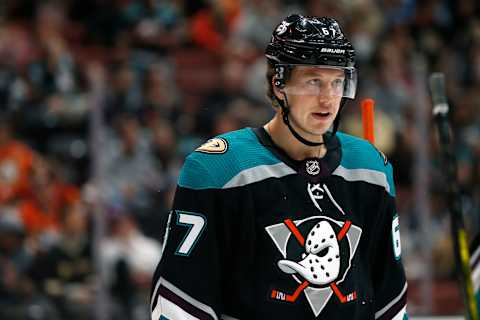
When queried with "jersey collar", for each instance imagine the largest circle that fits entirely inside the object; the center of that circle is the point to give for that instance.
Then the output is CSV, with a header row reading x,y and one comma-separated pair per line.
x,y
312,168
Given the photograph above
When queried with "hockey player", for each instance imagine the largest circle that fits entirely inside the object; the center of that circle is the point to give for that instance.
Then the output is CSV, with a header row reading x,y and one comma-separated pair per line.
x,y
290,220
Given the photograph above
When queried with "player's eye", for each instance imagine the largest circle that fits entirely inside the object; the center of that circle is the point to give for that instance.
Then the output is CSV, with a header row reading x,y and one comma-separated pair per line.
x,y
314,82
338,83
323,252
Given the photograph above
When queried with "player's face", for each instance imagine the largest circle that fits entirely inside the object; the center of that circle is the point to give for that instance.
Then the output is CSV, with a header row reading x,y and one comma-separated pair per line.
x,y
314,95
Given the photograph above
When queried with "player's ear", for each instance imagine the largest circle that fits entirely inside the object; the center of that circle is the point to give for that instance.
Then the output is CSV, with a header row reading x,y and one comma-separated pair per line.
x,y
277,87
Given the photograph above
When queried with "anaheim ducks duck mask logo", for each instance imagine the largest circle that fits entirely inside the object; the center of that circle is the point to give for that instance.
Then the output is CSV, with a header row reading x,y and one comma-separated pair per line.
x,y
317,253
215,145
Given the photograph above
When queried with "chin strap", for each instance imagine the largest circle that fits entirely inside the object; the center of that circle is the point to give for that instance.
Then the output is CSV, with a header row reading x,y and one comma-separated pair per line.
x,y
285,112
336,122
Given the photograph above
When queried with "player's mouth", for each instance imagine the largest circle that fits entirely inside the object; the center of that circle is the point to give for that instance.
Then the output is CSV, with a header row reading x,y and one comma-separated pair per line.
x,y
321,115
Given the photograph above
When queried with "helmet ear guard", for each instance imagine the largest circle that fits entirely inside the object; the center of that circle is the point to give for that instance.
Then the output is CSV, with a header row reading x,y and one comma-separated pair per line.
x,y
280,77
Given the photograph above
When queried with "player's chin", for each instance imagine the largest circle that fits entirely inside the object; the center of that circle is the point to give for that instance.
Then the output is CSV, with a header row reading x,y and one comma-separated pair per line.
x,y
315,135
319,129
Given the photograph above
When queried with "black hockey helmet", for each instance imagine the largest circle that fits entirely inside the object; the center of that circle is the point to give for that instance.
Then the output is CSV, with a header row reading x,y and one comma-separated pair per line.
x,y
310,41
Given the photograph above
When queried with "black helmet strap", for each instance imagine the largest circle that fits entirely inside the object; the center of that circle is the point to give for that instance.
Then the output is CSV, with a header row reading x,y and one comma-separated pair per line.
x,y
285,112
336,122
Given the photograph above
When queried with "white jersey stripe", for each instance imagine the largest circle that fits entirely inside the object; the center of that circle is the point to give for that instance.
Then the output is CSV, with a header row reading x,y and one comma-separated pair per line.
x,y
154,295
157,311
259,173
172,312
401,314
199,305
367,175
476,278
164,244
474,256
169,307
382,311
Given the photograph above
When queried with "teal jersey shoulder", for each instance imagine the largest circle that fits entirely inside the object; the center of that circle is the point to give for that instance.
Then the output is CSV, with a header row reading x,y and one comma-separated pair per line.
x,y
360,158
229,160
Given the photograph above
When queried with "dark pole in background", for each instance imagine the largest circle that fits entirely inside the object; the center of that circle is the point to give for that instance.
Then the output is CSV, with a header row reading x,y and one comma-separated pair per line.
x,y
449,166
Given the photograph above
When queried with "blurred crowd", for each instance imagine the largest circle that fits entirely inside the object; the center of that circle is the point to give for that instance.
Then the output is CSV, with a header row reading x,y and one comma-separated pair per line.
x,y
164,75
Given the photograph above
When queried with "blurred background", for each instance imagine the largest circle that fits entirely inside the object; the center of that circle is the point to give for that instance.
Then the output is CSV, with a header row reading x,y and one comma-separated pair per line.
x,y
100,101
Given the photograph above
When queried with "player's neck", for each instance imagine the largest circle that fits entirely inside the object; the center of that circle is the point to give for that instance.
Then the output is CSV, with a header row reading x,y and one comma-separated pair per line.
x,y
284,139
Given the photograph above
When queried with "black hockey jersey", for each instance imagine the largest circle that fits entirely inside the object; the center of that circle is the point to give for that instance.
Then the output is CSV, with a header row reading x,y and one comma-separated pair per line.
x,y
254,236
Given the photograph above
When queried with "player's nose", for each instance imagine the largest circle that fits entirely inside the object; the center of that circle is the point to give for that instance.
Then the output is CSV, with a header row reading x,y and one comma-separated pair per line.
x,y
327,93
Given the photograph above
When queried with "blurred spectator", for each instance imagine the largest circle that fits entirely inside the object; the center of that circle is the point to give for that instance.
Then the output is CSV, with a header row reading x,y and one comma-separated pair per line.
x,y
129,258
125,92
256,20
41,212
398,12
366,27
129,166
157,24
106,25
16,160
230,88
64,272
167,161
390,82
17,45
328,8
212,24
53,68
18,299
161,97
164,145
